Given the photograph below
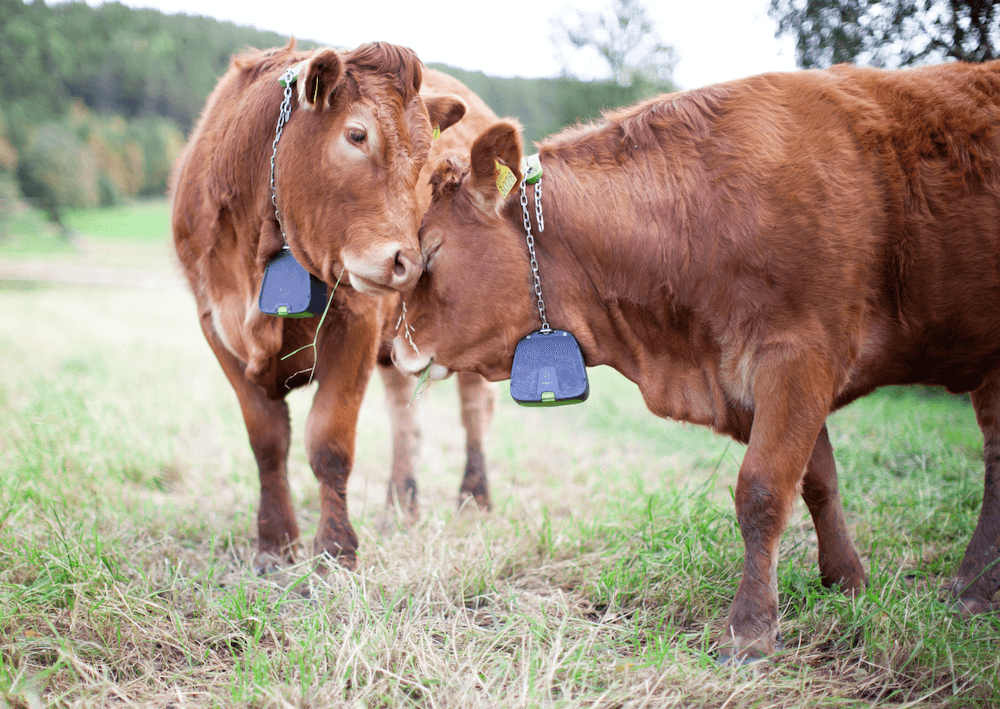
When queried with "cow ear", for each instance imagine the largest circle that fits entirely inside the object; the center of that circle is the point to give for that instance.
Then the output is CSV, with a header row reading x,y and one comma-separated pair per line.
x,y
496,162
318,78
444,111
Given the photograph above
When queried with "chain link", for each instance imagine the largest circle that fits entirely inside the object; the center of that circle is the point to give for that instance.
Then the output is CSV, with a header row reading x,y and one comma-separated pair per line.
x,y
284,113
531,243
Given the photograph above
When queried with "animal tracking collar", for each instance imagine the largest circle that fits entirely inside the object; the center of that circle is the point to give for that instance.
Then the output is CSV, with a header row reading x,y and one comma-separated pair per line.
x,y
548,367
288,290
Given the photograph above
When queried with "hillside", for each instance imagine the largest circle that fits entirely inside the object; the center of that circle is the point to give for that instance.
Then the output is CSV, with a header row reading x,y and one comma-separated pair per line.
x,y
95,102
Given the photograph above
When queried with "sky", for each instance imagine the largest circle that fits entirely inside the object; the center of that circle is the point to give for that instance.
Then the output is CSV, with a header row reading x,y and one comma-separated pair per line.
x,y
715,41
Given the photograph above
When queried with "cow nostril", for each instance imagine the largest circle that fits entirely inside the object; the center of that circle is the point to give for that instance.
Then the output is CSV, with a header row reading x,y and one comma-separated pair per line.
x,y
404,266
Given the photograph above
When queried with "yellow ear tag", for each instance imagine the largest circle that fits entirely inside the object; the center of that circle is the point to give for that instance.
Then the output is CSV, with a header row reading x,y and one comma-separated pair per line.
x,y
436,133
505,178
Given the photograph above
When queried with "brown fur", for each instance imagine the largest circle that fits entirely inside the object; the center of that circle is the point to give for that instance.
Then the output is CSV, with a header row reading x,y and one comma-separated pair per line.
x,y
342,202
753,255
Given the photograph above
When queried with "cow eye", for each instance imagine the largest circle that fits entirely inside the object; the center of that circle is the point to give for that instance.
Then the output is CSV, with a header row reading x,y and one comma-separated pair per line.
x,y
429,253
357,136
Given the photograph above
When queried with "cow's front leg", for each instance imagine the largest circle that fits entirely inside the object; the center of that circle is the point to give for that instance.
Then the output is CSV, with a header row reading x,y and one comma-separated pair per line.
x,y
838,559
269,431
478,399
791,397
342,373
399,397
978,577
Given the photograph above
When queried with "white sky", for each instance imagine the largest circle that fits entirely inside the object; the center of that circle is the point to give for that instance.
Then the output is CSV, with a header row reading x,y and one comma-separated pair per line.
x,y
715,41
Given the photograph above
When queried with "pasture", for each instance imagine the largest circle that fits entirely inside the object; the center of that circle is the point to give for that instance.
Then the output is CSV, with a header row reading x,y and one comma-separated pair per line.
x,y
128,512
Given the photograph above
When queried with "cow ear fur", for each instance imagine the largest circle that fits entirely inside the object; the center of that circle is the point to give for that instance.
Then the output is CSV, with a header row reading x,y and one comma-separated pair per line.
x,y
318,79
500,143
444,111
448,174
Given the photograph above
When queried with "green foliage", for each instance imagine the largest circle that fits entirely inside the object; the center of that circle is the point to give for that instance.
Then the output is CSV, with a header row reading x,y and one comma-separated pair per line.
x,y
95,102
546,105
116,60
58,170
161,142
894,33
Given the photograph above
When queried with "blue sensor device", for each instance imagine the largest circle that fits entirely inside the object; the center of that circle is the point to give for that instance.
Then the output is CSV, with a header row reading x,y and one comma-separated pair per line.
x,y
548,370
289,290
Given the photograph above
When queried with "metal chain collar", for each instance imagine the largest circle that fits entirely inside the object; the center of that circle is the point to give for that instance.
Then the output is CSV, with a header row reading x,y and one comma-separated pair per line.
x,y
284,113
531,242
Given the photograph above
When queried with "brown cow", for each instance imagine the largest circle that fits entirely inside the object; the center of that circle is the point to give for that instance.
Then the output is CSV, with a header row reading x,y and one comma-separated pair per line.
x,y
753,255
347,164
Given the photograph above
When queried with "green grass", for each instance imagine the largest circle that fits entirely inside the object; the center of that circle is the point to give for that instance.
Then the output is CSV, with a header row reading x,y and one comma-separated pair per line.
x,y
127,531
147,220
28,233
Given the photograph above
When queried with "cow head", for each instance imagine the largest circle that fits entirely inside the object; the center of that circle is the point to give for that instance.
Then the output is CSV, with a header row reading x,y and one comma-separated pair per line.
x,y
348,162
475,300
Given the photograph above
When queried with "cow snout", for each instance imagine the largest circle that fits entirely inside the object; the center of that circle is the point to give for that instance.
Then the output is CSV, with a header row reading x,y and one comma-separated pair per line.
x,y
384,269
407,267
406,358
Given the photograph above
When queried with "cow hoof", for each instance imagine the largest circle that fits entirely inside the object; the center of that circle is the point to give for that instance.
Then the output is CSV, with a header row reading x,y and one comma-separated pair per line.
x,y
327,562
331,554
466,500
394,519
968,607
730,654
744,661
265,563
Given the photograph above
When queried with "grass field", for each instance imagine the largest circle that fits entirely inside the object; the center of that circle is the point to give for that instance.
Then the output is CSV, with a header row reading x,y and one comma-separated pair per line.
x,y
127,529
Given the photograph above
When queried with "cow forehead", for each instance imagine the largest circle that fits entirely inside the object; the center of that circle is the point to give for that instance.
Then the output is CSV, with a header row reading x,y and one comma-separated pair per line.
x,y
404,131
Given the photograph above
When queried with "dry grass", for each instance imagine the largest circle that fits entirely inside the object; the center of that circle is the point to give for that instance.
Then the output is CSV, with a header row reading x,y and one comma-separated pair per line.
x,y
127,529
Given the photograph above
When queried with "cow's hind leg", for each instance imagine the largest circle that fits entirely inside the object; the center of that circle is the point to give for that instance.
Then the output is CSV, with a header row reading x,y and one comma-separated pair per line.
x,y
838,559
399,391
478,399
978,577
269,431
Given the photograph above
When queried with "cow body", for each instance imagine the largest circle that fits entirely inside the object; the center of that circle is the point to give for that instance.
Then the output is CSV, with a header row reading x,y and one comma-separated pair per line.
x,y
753,255
346,174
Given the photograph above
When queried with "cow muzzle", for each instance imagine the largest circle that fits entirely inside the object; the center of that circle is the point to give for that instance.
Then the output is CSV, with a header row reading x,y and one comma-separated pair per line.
x,y
409,361
393,270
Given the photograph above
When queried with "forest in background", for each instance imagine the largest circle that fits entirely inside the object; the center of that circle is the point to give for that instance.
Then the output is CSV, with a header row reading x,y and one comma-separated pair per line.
x,y
96,103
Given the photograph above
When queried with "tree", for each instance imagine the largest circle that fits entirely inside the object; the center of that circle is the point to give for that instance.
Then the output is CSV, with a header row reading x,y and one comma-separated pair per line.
x,y
58,171
624,37
889,32
8,176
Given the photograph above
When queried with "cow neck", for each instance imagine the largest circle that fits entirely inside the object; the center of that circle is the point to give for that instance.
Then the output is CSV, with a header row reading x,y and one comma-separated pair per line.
x,y
287,289
567,268
548,367
284,113
536,179
531,204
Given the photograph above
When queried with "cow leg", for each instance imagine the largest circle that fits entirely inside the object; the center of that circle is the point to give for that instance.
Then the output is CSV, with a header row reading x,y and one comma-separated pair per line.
x,y
791,394
402,491
269,430
478,399
979,575
838,560
342,372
